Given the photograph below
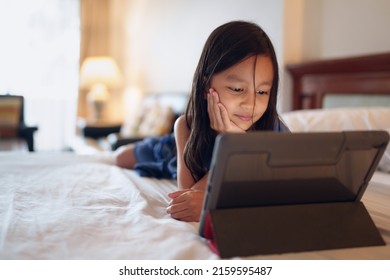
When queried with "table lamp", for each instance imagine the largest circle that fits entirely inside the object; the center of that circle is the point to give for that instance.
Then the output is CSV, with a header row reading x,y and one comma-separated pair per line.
x,y
98,74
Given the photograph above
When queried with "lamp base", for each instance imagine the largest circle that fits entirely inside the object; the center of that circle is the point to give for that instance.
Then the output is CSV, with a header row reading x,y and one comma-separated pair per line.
x,y
97,107
97,98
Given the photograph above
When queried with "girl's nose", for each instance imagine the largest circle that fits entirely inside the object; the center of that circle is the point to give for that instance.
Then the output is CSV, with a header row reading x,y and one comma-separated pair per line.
x,y
248,99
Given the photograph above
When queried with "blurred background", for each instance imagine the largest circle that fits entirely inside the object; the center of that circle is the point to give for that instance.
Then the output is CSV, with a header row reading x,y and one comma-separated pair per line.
x,y
96,63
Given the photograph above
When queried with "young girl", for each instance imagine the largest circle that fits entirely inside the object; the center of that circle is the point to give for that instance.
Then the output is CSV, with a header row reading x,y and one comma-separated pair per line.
x,y
234,90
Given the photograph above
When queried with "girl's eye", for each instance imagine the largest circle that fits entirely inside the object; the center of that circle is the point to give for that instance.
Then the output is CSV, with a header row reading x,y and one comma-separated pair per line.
x,y
261,92
237,90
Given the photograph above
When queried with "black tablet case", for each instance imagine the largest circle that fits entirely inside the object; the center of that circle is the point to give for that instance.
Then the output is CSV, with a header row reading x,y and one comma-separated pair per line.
x,y
272,193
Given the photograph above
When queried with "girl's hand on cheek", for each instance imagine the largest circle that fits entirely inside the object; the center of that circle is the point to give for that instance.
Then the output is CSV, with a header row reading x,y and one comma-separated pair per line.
x,y
219,117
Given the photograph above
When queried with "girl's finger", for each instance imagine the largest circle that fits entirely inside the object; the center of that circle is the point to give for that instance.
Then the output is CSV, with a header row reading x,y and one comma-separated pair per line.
x,y
210,109
176,194
224,116
217,112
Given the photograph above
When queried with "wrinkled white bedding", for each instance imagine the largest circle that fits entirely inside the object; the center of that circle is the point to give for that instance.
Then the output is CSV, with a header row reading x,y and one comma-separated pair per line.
x,y
67,206
64,206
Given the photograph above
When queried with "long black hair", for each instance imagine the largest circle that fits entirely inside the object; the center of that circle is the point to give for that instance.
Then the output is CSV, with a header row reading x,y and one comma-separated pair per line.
x,y
226,46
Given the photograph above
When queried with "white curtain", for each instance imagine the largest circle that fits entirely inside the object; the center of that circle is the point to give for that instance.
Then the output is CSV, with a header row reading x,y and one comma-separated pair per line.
x,y
39,59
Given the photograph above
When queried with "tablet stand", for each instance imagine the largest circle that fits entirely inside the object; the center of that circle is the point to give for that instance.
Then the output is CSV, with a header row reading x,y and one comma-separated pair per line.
x,y
291,228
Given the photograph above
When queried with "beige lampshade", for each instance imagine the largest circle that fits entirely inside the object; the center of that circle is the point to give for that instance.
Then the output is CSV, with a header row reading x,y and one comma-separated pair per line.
x,y
98,75
100,70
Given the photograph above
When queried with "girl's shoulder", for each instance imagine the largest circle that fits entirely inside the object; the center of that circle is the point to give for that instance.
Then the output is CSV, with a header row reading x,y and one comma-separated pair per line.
x,y
181,128
181,135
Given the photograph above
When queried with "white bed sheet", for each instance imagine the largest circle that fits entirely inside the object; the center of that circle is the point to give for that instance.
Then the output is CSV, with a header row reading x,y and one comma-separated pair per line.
x,y
67,206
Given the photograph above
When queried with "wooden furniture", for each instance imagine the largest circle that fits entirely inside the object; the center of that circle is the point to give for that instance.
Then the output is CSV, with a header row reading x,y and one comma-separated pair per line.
x,y
96,130
364,75
12,125
103,135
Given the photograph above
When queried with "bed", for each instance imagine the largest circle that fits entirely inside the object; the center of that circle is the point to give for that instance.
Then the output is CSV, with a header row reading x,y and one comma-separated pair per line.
x,y
70,206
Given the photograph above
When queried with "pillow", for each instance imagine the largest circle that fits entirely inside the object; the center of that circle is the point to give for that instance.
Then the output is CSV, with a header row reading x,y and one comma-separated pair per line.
x,y
338,119
384,164
154,119
157,121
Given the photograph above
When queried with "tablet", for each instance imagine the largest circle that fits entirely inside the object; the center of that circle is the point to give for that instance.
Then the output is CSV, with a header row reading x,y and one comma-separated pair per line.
x,y
270,168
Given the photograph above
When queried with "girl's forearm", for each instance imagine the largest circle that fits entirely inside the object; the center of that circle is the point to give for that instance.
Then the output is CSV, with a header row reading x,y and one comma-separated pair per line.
x,y
201,184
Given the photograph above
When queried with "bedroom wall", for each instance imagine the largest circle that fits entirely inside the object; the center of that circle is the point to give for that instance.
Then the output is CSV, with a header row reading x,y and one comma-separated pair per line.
x,y
334,28
164,39
322,29
354,27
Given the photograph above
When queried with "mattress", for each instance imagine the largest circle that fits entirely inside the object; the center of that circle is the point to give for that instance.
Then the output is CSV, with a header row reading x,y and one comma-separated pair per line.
x,y
66,206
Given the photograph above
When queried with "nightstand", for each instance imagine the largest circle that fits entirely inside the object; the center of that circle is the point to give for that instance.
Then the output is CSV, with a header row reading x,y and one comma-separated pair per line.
x,y
99,136
97,130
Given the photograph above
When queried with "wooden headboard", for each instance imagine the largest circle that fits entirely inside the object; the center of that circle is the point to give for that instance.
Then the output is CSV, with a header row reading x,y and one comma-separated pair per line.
x,y
364,75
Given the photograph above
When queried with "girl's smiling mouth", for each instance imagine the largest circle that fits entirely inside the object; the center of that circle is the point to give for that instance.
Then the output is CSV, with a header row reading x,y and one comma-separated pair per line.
x,y
245,118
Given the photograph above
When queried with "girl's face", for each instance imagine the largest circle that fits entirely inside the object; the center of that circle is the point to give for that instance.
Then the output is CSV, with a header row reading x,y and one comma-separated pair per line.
x,y
244,89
